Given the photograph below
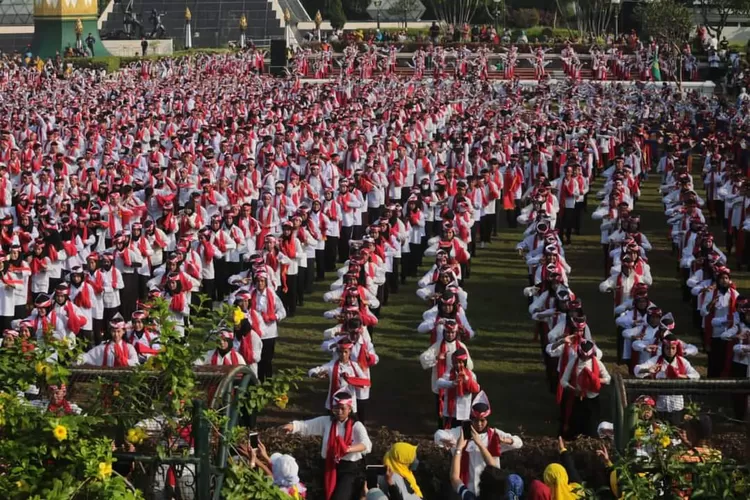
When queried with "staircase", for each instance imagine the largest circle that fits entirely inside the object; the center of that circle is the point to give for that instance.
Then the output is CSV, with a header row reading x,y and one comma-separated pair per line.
x,y
214,22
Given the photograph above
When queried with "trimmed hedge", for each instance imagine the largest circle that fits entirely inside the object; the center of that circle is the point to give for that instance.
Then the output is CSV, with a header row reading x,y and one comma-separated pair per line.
x,y
114,63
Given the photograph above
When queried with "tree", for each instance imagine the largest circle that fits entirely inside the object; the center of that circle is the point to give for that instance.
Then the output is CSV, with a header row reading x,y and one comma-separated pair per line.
x,y
590,16
456,12
335,13
666,20
402,9
716,12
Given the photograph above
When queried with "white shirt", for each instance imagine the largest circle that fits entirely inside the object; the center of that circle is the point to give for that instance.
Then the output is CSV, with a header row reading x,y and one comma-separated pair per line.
x,y
321,426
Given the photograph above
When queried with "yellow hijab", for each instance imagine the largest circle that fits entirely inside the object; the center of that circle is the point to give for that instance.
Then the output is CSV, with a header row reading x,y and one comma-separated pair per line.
x,y
556,479
399,458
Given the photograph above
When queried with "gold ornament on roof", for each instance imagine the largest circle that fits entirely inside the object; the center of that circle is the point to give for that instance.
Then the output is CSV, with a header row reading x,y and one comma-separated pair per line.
x,y
287,15
79,27
188,14
318,19
243,22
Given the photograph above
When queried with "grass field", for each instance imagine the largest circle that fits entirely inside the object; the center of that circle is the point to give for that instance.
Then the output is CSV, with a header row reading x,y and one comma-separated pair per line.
x,y
507,362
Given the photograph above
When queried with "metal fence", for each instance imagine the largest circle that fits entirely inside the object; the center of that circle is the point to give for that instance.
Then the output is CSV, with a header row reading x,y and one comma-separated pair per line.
x,y
721,399
192,467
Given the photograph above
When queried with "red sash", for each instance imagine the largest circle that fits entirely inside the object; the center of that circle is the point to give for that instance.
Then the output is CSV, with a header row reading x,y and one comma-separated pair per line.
x,y
335,450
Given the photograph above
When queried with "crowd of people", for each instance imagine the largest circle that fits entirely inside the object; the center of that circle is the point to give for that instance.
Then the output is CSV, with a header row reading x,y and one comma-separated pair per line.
x,y
200,177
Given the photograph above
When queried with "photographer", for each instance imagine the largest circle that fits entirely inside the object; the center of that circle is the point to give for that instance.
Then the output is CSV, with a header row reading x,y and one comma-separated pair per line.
x,y
492,482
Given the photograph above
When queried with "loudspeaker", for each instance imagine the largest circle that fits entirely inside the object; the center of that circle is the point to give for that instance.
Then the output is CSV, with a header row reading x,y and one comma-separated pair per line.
x,y
278,57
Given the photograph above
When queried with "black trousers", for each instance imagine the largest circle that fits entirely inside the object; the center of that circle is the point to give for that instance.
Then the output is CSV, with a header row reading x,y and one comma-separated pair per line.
x,y
485,228
20,312
346,235
98,330
265,365
53,282
358,231
405,260
393,277
289,298
716,357
143,287
301,278
350,477
87,336
578,213
310,274
5,322
222,281
362,409
320,264
128,295
330,253
373,214
208,287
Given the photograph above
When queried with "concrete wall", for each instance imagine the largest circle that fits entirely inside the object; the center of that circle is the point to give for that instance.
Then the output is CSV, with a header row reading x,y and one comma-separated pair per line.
x,y
129,48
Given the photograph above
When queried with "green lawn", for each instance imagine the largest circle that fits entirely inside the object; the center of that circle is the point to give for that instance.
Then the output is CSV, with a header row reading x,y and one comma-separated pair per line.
x,y
507,362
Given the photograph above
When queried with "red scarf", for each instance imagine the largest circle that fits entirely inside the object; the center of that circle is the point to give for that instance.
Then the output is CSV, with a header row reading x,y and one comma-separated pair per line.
x,y
83,299
232,358
121,354
246,345
75,322
208,251
459,390
269,316
335,450
493,446
588,380
671,371
177,302
61,409
70,248
618,287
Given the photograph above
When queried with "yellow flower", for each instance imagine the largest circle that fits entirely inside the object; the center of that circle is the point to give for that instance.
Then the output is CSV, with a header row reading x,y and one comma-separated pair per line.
x,y
116,393
105,470
60,432
665,441
40,367
135,435
21,485
281,401
639,433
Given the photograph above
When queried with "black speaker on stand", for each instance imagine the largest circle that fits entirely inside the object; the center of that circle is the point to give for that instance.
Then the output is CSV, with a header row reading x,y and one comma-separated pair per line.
x,y
278,57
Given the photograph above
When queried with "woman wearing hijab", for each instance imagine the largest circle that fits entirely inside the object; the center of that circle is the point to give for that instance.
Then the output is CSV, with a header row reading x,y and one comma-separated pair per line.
x,y
515,487
559,482
402,460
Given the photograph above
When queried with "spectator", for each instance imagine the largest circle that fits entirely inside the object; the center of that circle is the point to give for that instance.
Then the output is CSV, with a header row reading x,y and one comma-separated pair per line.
x,y
90,41
144,46
434,32
282,469
522,38
401,460
560,482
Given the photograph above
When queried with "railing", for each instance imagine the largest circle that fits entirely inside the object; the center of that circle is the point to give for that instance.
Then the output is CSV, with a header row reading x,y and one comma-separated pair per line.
x,y
200,475
707,390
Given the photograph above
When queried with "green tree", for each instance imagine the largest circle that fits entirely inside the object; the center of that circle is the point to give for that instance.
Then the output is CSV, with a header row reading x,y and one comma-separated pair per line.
x,y
666,20
456,12
716,12
335,14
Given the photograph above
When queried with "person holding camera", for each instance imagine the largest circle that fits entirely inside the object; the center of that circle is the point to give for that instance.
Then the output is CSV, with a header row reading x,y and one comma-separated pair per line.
x,y
492,482
485,443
